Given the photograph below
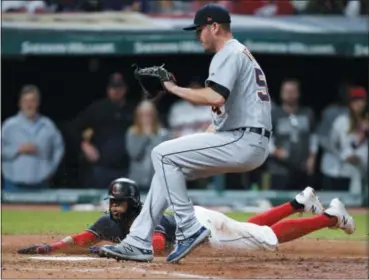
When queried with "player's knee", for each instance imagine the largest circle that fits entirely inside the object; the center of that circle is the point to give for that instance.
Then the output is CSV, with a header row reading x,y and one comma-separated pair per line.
x,y
160,155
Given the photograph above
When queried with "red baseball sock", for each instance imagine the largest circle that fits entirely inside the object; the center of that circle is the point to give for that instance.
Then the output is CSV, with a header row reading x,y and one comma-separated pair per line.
x,y
273,215
291,229
158,242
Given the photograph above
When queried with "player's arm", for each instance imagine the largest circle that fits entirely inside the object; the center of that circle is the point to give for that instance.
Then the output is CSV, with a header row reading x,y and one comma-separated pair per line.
x,y
215,96
85,238
100,230
224,71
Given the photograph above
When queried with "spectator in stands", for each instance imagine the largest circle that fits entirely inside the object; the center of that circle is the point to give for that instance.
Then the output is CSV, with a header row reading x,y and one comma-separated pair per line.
x,y
299,6
142,137
107,121
94,5
186,118
293,146
119,5
325,7
348,164
329,114
64,5
259,7
25,6
74,5
350,8
197,4
32,146
330,162
183,6
356,8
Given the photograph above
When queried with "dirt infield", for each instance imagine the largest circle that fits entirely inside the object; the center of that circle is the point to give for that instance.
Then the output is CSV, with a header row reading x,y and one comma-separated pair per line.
x,y
306,258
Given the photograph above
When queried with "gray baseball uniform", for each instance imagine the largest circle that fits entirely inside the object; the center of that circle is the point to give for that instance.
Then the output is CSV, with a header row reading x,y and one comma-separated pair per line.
x,y
232,148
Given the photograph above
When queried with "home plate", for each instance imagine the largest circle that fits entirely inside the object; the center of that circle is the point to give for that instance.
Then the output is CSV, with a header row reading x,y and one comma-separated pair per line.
x,y
70,259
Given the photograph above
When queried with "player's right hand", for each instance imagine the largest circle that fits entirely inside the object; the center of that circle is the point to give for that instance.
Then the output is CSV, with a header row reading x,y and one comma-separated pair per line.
x,y
35,249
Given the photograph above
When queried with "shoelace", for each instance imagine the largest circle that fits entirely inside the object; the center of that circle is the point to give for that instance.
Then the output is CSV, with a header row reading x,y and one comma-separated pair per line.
x,y
344,220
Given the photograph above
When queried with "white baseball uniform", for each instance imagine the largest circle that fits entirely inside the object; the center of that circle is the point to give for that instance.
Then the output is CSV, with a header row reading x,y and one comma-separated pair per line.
x,y
232,148
229,233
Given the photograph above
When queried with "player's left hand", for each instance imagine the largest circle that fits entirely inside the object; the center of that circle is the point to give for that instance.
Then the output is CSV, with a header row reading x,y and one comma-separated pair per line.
x,y
35,249
169,86
152,79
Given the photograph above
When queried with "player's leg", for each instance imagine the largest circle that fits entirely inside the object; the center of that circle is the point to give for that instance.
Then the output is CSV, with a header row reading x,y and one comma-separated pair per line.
x,y
138,243
195,155
306,201
151,213
335,216
228,233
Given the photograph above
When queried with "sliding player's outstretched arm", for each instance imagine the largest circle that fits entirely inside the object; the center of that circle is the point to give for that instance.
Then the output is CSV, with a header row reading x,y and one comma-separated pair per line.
x,y
83,239
124,206
103,229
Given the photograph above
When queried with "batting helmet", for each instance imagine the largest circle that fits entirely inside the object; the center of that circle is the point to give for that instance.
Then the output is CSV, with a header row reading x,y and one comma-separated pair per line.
x,y
124,189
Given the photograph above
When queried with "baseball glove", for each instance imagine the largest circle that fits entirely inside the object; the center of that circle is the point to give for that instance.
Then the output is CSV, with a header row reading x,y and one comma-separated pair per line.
x,y
151,80
35,249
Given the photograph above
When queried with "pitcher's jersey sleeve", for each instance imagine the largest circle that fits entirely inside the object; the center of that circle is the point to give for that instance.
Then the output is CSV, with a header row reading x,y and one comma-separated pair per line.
x,y
223,72
106,229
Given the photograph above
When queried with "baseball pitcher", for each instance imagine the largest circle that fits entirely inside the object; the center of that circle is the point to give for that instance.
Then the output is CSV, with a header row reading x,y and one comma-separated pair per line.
x,y
237,141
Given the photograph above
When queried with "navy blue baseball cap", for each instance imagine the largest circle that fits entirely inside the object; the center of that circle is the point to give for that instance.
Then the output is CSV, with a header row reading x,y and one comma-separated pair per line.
x,y
209,14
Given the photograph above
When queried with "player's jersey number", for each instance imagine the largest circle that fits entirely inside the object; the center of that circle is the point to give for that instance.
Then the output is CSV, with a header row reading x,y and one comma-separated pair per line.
x,y
262,92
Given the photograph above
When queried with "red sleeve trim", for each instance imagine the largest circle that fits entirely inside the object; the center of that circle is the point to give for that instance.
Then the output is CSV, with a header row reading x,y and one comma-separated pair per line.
x,y
84,238
81,239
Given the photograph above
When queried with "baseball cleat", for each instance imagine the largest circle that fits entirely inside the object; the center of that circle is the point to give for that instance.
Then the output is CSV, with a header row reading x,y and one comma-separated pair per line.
x,y
310,200
344,220
124,251
183,247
